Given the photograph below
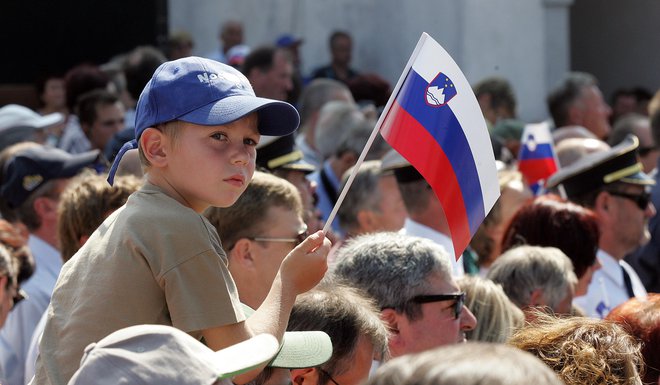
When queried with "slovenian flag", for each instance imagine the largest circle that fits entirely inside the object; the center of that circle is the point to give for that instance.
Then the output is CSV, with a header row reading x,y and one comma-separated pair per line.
x,y
537,160
434,121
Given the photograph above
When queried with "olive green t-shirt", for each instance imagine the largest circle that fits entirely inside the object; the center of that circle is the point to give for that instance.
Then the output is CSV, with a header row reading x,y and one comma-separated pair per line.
x,y
153,261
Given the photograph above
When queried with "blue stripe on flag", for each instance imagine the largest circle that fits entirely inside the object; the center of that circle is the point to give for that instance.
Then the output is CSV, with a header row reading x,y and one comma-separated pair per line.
x,y
443,125
542,151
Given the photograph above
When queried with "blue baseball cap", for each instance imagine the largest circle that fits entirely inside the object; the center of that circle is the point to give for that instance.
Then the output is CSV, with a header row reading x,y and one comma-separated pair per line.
x,y
287,40
205,92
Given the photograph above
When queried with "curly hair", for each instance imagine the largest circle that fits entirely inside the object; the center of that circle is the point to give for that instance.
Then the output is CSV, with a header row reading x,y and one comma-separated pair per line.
x,y
583,350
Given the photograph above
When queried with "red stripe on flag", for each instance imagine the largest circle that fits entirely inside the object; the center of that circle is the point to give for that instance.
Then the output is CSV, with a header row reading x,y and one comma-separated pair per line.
x,y
413,142
536,169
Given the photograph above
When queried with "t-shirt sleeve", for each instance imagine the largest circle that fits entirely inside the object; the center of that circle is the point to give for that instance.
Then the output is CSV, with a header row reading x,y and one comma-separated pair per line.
x,y
201,294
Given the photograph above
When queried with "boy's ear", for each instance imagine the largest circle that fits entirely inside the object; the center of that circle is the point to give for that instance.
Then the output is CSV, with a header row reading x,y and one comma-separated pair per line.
x,y
153,143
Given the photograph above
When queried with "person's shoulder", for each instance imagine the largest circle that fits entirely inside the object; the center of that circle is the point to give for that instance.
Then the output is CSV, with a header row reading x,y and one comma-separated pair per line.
x,y
322,72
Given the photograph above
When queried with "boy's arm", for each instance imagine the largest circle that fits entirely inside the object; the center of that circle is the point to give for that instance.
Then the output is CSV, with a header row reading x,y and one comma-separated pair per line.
x,y
301,270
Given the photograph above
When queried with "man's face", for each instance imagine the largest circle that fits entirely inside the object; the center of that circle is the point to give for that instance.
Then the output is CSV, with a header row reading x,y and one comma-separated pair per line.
x,y
595,112
276,82
279,223
232,35
341,50
392,211
630,221
109,120
437,325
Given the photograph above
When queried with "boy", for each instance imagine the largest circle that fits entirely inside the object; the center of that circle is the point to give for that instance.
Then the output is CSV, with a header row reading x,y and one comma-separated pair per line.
x,y
157,260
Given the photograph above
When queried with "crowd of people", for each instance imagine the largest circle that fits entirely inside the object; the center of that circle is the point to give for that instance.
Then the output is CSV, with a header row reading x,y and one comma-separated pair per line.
x,y
162,220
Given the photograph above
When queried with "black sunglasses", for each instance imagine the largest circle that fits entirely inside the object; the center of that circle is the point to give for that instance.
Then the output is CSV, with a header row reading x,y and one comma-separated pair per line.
x,y
458,297
642,200
643,151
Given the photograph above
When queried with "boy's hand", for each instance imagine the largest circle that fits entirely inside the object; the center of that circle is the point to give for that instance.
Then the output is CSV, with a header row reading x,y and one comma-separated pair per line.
x,y
304,267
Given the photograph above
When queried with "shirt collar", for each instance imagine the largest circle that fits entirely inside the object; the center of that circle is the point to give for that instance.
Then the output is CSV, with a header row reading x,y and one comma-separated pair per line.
x,y
610,267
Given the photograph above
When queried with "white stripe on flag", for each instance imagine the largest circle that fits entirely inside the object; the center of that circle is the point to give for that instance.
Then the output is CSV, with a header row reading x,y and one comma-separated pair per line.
x,y
432,58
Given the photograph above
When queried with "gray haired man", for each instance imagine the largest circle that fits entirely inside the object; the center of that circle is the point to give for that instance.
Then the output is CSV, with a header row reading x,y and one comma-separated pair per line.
x,y
410,279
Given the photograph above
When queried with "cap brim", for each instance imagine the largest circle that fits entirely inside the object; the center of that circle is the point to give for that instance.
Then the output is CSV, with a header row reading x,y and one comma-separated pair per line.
x,y
245,356
49,120
638,178
77,162
304,349
300,165
276,118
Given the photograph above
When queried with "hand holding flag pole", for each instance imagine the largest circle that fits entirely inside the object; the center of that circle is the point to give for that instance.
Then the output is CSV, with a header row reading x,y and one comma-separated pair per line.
x,y
434,121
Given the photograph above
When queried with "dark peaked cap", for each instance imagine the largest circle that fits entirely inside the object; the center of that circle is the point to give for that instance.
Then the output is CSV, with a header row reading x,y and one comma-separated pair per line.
x,y
280,152
593,171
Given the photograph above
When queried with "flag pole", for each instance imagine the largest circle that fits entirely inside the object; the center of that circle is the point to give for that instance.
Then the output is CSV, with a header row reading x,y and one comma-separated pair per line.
x,y
375,131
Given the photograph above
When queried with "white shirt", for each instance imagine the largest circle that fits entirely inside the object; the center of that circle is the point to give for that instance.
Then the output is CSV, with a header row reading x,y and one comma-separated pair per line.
x,y
417,229
33,349
16,334
310,155
607,289
74,140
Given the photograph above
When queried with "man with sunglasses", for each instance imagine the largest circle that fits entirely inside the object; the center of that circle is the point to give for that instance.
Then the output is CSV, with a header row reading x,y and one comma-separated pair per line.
x,y
258,231
613,185
411,280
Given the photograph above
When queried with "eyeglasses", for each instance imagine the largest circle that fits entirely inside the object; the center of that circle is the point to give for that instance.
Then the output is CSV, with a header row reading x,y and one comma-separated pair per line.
x,y
458,297
642,200
325,373
296,241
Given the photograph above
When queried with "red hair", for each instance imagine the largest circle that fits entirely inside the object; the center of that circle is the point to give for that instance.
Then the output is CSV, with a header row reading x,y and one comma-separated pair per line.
x,y
551,221
641,318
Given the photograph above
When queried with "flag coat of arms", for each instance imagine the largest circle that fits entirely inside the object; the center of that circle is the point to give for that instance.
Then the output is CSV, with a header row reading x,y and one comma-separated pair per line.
x,y
434,121
537,160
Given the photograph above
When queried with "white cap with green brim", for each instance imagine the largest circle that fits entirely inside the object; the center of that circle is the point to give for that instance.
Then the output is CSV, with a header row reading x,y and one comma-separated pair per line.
x,y
302,349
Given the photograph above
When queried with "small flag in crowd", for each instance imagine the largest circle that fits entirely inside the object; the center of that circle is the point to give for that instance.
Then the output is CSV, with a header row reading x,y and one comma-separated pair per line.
x,y
537,160
434,121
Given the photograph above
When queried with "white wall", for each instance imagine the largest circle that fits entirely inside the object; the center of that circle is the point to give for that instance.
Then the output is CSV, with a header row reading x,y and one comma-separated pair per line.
x,y
508,38
617,41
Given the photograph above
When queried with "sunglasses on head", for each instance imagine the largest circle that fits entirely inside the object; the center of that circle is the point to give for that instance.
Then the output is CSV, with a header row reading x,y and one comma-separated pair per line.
x,y
459,299
642,200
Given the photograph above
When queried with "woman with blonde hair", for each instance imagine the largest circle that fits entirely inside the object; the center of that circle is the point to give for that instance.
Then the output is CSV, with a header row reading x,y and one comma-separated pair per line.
x,y
497,317
583,350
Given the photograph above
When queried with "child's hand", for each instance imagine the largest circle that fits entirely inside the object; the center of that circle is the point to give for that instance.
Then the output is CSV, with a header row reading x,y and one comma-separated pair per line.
x,y
304,267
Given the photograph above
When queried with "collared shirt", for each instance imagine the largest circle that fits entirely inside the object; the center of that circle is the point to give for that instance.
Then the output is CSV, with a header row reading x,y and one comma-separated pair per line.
x,y
310,155
607,289
17,332
74,140
417,229
325,203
